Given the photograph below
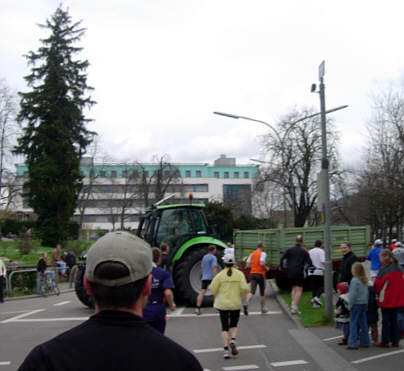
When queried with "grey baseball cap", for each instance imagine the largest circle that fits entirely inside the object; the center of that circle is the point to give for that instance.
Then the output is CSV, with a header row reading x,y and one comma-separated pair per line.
x,y
124,248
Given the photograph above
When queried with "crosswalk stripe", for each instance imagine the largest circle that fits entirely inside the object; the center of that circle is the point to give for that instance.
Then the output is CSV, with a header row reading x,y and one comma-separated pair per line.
x,y
242,347
241,367
288,363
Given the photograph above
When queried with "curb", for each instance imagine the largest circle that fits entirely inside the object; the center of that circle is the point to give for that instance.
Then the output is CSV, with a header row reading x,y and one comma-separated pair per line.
x,y
284,306
14,298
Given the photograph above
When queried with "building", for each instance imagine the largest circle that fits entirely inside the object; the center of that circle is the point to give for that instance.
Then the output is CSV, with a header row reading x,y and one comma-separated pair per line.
x,y
115,195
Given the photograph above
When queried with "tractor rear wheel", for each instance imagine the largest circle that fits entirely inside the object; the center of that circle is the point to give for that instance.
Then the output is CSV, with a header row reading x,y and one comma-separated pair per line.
x,y
187,277
81,292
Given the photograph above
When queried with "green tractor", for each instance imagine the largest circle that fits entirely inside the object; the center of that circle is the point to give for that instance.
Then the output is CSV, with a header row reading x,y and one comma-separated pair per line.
x,y
185,229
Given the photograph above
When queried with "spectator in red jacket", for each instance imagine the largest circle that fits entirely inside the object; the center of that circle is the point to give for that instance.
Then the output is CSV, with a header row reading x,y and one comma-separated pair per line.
x,y
389,286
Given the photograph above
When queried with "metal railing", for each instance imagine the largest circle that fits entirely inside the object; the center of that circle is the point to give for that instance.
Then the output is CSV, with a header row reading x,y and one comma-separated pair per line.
x,y
9,287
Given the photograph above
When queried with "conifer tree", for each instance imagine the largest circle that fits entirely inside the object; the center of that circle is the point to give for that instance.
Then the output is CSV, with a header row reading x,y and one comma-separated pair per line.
x,y
55,135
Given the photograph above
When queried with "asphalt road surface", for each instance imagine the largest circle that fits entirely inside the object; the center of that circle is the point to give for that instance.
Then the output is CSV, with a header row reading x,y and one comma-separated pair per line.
x,y
266,342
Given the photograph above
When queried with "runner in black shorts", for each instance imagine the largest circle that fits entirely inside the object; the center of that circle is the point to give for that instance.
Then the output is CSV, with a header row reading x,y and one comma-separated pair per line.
x,y
257,280
205,284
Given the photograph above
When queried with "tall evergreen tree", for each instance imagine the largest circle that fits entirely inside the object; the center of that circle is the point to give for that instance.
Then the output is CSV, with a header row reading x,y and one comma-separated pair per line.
x,y
55,135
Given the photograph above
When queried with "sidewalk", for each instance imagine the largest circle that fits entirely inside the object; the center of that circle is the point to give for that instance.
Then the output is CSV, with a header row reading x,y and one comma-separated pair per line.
x,y
325,357
63,286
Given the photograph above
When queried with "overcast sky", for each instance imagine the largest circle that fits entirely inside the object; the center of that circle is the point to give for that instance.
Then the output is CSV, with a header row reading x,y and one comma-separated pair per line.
x,y
161,67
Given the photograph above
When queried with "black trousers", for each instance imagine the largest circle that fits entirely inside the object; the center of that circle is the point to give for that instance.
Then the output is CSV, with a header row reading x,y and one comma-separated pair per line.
x,y
317,285
390,329
2,280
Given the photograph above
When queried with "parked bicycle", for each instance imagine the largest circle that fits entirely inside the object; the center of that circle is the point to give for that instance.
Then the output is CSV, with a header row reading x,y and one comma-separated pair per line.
x,y
48,285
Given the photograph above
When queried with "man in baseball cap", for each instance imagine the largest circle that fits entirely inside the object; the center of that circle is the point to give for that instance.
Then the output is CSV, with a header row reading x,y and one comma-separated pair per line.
x,y
115,337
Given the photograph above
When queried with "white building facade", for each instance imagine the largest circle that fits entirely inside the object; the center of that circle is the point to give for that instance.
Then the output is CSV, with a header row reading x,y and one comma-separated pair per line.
x,y
113,195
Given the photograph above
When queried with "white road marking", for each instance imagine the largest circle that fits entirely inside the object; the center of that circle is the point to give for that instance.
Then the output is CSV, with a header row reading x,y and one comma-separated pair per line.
x,y
15,311
288,363
62,303
5,363
17,318
333,338
177,312
243,367
186,315
243,347
378,356
61,319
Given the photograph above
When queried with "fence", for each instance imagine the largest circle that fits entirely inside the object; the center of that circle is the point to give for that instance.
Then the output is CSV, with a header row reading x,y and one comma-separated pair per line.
x,y
9,287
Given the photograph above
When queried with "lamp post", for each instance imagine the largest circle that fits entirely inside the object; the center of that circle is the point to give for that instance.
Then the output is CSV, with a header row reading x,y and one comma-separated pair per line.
x,y
326,209
281,140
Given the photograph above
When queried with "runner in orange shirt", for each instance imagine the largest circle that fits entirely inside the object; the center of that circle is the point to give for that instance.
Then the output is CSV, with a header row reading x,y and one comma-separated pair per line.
x,y
257,262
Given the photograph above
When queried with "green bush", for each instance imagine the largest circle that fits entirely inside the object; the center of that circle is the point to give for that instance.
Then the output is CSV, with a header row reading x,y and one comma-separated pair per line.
x,y
23,283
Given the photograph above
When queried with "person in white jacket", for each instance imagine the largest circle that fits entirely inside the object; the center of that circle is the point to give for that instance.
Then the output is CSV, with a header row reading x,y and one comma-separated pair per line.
x,y
2,279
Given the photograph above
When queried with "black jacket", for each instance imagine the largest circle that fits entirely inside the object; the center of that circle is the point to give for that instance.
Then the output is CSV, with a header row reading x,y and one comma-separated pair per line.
x,y
41,266
111,340
345,274
296,259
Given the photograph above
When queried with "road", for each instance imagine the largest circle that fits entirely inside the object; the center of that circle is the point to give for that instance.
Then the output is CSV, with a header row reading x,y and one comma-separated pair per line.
x,y
266,342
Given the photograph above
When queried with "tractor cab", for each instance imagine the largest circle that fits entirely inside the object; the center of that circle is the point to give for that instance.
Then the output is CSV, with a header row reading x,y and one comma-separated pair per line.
x,y
173,225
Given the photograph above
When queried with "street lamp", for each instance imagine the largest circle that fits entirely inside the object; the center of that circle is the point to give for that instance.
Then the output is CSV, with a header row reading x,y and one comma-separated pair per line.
x,y
292,125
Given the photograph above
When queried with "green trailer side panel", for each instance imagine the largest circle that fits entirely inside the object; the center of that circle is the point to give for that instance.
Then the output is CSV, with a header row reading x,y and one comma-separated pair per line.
x,y
203,240
276,241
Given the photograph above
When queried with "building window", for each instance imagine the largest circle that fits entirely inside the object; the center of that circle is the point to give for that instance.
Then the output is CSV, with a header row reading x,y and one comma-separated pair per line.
x,y
167,173
246,174
226,174
216,174
135,174
87,218
236,175
198,174
102,174
113,174
124,173
25,174
187,173
146,174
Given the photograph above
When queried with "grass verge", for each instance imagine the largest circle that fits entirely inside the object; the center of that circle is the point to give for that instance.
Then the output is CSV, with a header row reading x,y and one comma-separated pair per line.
x,y
310,317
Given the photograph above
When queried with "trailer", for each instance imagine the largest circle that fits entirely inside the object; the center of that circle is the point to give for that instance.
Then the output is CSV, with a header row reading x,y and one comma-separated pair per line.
x,y
277,241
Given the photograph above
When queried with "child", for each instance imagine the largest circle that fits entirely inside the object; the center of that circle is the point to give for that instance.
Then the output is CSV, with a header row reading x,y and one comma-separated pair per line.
x,y
358,296
342,312
373,315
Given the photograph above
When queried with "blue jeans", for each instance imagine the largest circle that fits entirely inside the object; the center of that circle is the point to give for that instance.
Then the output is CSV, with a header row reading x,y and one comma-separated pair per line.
x,y
390,329
41,277
358,327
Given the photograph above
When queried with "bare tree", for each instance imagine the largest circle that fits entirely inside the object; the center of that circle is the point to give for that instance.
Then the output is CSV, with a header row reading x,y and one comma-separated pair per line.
x,y
380,183
294,159
9,127
153,184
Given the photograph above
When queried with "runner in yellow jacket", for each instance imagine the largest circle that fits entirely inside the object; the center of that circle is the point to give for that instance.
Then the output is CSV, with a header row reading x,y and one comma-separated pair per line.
x,y
228,288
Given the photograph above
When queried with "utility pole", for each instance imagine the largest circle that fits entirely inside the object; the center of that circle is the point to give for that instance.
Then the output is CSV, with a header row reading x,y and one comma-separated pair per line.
x,y
328,284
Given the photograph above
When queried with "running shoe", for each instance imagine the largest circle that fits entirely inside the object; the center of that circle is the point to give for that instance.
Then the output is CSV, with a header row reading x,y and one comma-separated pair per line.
x,y
264,310
317,301
245,307
233,347
198,311
226,354
294,311
315,305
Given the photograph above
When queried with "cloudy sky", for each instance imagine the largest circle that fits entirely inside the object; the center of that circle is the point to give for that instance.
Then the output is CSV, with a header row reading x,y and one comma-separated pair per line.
x,y
161,67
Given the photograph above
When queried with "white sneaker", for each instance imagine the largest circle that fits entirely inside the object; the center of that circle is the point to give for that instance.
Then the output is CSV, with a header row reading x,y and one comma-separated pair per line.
x,y
226,354
315,305
316,300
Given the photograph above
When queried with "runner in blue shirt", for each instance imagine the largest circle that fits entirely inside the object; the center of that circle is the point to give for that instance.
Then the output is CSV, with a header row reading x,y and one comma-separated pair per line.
x,y
373,256
209,270
155,311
